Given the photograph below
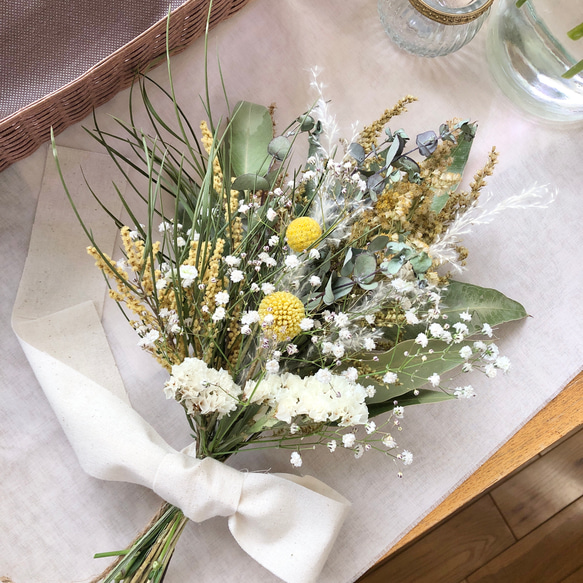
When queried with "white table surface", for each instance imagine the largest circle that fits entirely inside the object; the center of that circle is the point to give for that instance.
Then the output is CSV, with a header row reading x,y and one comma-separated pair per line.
x,y
53,517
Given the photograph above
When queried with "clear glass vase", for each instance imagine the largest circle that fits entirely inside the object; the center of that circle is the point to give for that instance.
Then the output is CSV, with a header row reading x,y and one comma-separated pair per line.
x,y
529,51
432,28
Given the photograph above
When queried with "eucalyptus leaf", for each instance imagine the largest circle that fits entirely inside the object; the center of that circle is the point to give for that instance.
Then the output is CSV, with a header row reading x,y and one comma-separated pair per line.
x,y
395,176
342,287
391,267
468,130
307,122
348,265
250,182
445,133
394,150
421,263
357,152
409,166
365,267
375,183
279,147
313,304
395,247
427,143
329,293
378,243
369,286
251,131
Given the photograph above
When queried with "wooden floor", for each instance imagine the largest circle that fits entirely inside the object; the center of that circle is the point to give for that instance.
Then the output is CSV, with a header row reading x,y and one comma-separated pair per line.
x,y
526,529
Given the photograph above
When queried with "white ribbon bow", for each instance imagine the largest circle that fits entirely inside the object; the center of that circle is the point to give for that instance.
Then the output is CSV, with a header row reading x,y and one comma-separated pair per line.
x,y
285,522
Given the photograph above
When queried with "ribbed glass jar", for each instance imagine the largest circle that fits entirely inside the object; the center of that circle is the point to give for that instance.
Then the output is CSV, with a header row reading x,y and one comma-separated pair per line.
x,y
528,52
432,28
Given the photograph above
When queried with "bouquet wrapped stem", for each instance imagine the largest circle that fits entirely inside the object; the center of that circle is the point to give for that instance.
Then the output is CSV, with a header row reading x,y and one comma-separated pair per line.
x,y
149,555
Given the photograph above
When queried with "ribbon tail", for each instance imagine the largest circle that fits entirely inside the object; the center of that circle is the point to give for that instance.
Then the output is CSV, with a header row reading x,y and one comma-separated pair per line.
x,y
288,524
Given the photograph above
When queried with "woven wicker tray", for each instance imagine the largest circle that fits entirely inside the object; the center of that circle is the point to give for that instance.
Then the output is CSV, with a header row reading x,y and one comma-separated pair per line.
x,y
22,132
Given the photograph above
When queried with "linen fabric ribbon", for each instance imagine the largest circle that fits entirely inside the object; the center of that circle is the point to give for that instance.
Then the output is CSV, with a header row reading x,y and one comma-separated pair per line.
x,y
285,522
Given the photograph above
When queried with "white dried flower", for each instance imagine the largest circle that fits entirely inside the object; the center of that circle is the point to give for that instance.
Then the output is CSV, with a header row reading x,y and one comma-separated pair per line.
x,y
390,378
222,298
202,389
232,261
188,273
296,459
348,440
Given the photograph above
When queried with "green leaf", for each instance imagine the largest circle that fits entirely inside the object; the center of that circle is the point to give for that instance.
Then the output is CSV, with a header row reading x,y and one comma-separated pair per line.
x,y
307,122
427,143
487,306
409,166
405,360
342,287
394,150
576,33
391,267
421,263
279,147
574,70
348,264
251,131
365,267
396,247
460,153
424,396
378,243
357,152
369,286
250,182
328,293
375,183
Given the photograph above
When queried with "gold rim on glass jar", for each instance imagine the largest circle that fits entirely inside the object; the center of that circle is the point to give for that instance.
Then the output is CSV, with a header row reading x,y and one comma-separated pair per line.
x,y
451,16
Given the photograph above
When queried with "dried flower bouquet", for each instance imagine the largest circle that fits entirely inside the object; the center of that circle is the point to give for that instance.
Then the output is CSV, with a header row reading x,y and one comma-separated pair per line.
x,y
295,308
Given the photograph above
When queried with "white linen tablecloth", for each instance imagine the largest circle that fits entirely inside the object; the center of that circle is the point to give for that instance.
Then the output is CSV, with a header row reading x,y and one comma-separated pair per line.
x,y
53,517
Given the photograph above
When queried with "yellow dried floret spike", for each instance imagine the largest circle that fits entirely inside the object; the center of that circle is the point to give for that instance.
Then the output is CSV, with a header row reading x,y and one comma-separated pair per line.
x,y
286,311
369,135
302,233
207,141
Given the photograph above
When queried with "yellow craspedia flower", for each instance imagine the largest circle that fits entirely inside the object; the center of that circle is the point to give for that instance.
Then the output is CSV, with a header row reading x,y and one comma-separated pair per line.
x,y
280,313
302,232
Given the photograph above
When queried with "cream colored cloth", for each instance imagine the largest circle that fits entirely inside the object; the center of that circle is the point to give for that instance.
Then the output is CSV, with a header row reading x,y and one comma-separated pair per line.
x,y
287,523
